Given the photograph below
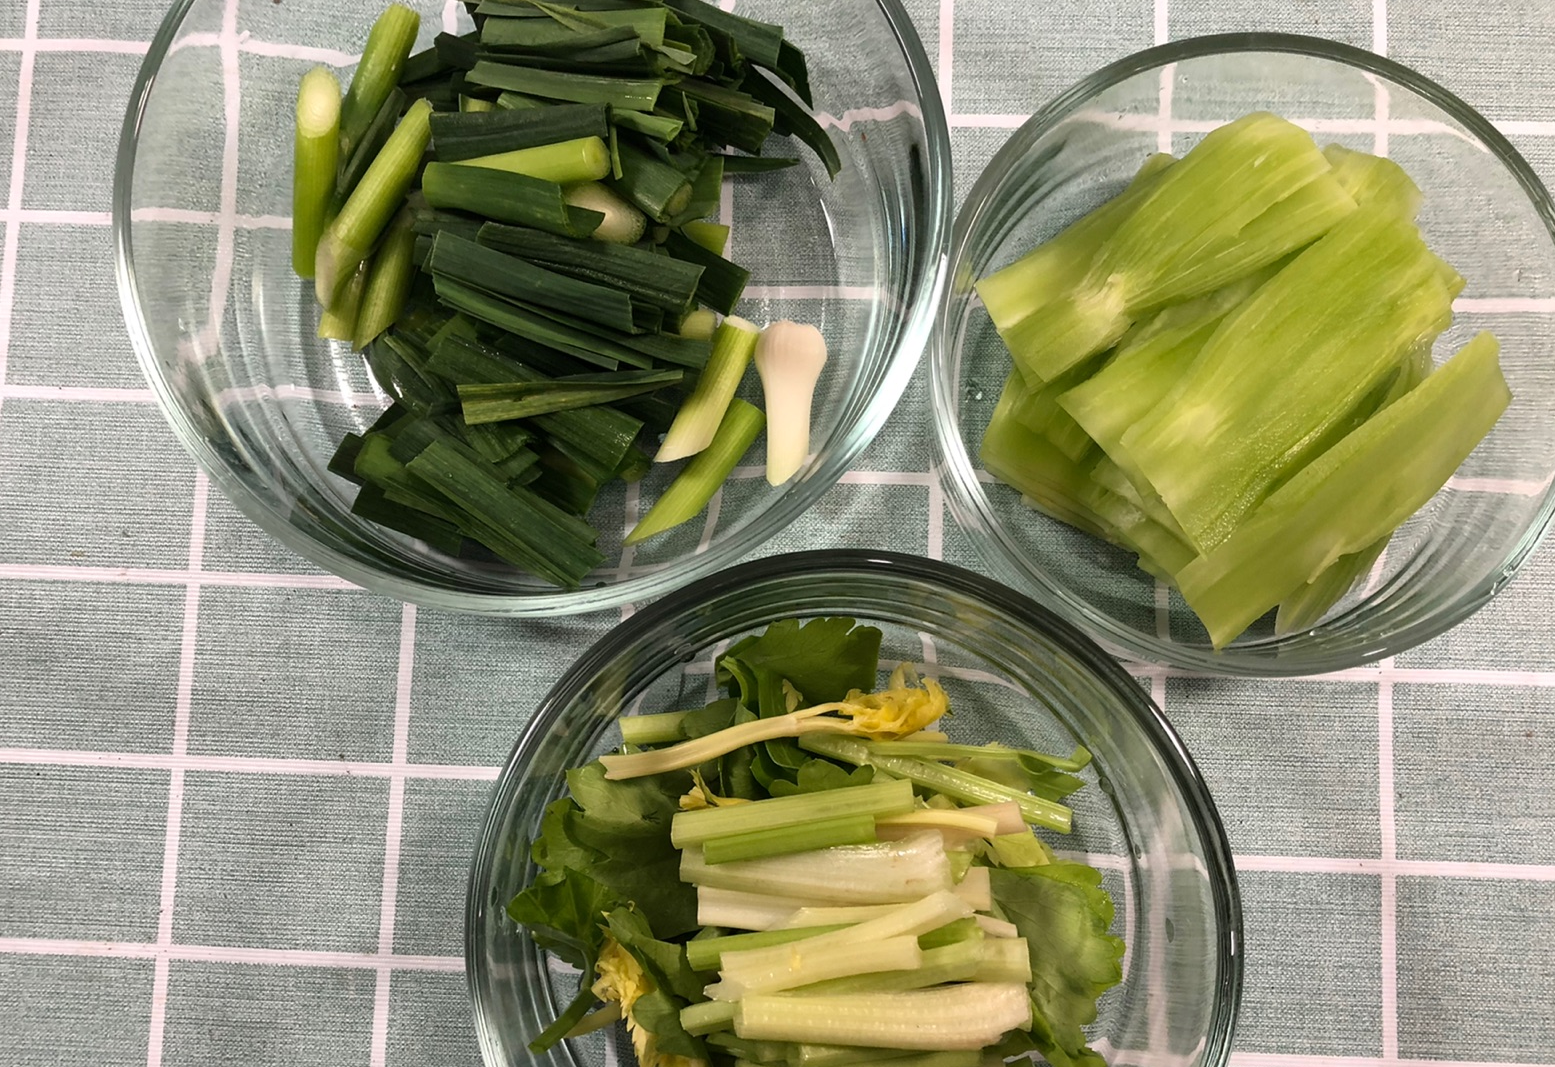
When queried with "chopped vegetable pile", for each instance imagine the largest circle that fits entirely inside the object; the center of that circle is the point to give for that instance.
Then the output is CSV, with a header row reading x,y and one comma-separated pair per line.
x,y
512,225
807,872
1227,370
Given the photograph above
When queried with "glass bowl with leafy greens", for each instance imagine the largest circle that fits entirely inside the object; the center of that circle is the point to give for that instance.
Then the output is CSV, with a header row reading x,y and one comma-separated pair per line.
x,y
797,856
1244,366
515,238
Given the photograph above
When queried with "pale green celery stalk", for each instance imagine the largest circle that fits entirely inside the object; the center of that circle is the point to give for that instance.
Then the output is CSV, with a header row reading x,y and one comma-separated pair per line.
x,y
679,507
388,282
1030,463
1160,552
1047,271
1304,608
582,159
844,914
760,969
958,785
1174,241
388,44
381,192
884,873
1035,406
963,929
752,1051
712,236
338,322
1335,507
813,1055
954,825
969,1016
1375,180
1077,760
707,1017
706,953
743,910
959,962
659,729
877,798
1326,330
960,862
1107,475
1293,223
316,157
1149,361
695,485
699,415
786,840
1003,959
808,962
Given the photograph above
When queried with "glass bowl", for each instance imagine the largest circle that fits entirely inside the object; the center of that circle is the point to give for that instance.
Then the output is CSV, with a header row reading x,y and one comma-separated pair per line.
x,y
1014,672
1484,211
225,333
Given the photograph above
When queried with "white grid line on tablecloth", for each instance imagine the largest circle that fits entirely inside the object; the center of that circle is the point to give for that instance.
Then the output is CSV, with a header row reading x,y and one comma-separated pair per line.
x,y
393,835
18,173
182,705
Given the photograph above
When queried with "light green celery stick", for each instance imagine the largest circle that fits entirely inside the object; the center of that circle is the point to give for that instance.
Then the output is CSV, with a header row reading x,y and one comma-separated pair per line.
x,y
1035,406
1003,959
1293,361
959,962
659,729
694,486
739,910
698,418
1176,242
956,784
582,159
805,963
706,953
891,872
1353,495
379,194
1307,606
818,833
814,1055
1047,271
876,798
774,1052
707,1017
388,44
1374,180
316,157
338,322
1022,458
388,282
968,1016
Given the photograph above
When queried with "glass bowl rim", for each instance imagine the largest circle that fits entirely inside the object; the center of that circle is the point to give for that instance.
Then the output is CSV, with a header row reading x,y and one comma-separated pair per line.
x,y
959,480
900,363
1016,607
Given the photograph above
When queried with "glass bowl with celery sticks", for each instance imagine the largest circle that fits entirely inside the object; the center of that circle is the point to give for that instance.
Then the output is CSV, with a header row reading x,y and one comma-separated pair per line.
x,y
846,807
1244,364
527,308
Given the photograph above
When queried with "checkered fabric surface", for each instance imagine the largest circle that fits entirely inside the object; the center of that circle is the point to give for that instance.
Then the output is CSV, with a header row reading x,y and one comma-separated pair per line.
x,y
237,796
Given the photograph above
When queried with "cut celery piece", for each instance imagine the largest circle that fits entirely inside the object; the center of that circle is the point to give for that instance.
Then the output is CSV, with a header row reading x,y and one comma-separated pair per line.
x,y
1025,460
817,833
1374,181
1038,410
810,962
1288,365
707,1017
1185,237
660,729
1307,606
971,1015
887,873
1353,495
876,798
1047,271
1149,361
815,1055
957,962
706,953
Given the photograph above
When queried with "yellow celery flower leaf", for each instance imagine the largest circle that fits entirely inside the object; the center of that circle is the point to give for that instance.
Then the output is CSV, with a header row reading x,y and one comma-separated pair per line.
x,y
903,707
623,980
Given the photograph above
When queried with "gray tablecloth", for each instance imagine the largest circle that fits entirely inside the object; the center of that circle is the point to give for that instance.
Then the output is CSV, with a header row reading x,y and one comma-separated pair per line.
x,y
237,796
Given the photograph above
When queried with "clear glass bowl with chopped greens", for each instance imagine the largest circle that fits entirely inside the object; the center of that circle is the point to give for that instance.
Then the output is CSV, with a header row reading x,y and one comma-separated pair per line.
x,y
1485,212
1014,672
225,333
